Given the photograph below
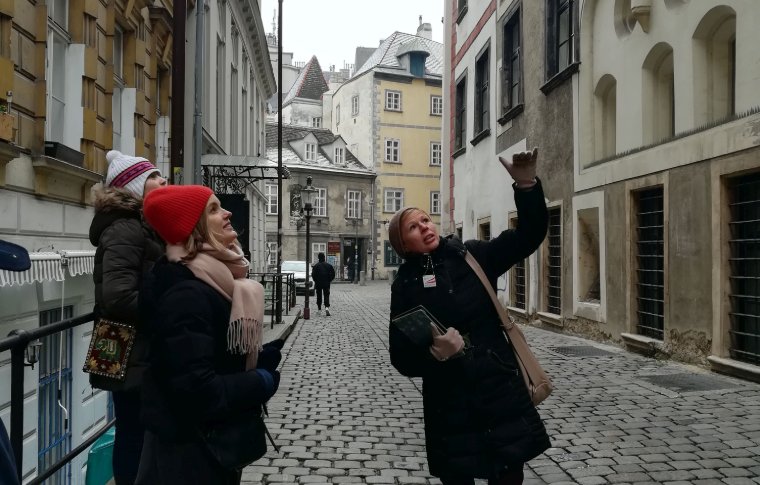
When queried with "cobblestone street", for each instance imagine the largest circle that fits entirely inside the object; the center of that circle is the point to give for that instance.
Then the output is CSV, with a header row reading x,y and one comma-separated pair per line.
x,y
344,415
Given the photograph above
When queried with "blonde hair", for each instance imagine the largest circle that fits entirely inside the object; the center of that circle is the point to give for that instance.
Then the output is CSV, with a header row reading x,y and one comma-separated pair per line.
x,y
200,236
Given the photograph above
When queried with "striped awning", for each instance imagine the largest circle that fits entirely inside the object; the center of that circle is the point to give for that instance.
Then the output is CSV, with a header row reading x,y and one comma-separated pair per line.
x,y
50,266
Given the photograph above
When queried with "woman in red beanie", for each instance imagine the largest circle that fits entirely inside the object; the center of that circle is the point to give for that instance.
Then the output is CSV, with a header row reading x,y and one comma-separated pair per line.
x,y
479,419
209,378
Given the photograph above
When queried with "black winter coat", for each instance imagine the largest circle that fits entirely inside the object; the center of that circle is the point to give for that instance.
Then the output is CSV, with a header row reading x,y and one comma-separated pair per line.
x,y
478,415
322,273
126,250
193,382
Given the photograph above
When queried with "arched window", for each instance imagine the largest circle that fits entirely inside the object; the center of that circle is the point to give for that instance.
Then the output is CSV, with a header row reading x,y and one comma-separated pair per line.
x,y
714,44
658,95
605,117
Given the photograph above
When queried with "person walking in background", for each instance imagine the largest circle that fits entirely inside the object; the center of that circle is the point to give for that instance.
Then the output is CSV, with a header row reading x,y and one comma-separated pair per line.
x,y
126,248
209,377
479,419
322,273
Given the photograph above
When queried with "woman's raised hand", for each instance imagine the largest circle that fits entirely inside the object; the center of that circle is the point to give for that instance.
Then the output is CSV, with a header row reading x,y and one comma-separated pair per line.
x,y
447,345
522,168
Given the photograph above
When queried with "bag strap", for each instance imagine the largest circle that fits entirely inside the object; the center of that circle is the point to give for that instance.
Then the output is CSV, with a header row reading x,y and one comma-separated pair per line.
x,y
506,320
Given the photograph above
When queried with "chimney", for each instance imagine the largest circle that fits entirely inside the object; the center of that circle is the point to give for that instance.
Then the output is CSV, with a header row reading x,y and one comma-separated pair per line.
x,y
425,30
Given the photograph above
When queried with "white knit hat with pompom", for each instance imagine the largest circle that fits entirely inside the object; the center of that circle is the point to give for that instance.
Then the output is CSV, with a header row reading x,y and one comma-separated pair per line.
x,y
128,172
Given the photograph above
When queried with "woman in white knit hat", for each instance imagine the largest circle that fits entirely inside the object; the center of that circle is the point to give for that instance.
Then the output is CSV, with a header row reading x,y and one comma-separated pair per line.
x,y
126,250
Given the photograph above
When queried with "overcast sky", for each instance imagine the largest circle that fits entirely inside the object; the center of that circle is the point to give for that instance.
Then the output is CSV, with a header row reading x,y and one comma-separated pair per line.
x,y
332,29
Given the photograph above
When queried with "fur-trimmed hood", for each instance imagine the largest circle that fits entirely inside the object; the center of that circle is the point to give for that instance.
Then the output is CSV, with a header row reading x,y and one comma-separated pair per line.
x,y
112,204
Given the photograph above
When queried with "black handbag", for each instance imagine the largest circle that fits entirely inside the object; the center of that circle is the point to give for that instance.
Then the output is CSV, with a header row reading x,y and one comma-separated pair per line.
x,y
236,444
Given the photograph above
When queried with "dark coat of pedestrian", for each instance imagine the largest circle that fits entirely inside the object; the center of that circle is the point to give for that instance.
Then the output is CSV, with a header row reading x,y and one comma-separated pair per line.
x,y
126,249
479,419
322,273
207,373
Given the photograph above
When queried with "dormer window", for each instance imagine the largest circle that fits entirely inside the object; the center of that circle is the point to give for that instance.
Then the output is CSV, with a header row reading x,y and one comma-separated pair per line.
x,y
311,152
417,64
339,155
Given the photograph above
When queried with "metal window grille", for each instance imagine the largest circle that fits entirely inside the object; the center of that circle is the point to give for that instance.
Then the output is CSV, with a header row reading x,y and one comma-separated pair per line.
x,y
650,257
518,280
554,263
744,262
54,437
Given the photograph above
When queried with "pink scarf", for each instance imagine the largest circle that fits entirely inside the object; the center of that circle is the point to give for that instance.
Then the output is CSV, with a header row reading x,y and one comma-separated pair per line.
x,y
227,272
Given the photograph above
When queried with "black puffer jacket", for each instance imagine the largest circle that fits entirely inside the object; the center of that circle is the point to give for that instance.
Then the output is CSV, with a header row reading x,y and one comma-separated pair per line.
x,y
478,416
193,382
126,250
322,273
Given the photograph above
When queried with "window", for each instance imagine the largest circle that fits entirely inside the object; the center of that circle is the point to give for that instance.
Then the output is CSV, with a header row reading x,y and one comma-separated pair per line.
x,y
337,115
554,263
270,193
744,268
317,248
220,83
56,85
391,257
271,254
311,152
234,121
517,279
512,64
392,100
320,203
354,204
435,203
650,258
436,105
435,153
460,122
340,155
484,231
316,122
58,11
560,35
392,150
354,105
90,28
245,109
118,53
394,200
482,67
417,64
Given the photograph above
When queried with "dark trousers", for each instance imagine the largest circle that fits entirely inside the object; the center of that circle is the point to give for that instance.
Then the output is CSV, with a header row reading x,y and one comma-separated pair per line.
x,y
509,477
326,292
189,463
128,441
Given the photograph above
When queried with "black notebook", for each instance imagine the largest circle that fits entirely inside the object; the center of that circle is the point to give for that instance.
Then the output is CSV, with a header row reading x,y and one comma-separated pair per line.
x,y
419,325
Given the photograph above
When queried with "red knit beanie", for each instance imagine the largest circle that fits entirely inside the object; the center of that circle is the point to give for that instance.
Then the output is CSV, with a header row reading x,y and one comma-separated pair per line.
x,y
174,211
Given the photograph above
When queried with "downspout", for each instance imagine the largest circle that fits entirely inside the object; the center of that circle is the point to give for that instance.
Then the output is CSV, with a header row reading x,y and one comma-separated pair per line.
x,y
198,113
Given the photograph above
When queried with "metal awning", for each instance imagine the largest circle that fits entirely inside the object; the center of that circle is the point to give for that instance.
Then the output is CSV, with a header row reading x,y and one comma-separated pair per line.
x,y
50,266
233,173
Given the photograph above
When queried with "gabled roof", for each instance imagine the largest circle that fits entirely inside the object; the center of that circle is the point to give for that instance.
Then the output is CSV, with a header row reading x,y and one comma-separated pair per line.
x,y
385,57
293,133
310,83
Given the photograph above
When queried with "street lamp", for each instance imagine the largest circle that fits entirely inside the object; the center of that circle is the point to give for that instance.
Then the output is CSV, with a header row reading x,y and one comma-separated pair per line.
x,y
307,196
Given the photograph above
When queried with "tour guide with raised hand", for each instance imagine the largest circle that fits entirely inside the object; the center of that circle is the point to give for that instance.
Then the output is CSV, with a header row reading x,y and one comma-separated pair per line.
x,y
208,379
479,419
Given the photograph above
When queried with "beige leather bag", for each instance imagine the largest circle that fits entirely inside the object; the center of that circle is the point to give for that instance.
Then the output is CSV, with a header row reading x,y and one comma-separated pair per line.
x,y
538,382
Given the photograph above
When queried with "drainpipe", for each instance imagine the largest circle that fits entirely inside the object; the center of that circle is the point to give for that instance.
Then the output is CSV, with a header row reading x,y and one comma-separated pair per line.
x,y
179,18
198,113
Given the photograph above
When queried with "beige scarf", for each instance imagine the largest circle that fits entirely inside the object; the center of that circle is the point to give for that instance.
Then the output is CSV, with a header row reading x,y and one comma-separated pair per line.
x,y
227,272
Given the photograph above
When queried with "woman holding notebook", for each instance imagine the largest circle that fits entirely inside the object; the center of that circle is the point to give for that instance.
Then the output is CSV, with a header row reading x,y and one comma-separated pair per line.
x,y
479,419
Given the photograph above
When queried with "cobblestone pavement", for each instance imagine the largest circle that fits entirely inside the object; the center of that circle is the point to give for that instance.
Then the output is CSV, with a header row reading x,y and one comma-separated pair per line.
x,y
344,415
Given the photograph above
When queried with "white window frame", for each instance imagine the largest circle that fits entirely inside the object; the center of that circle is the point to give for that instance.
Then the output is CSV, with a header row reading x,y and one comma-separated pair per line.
x,y
435,153
355,105
58,12
392,100
320,202
436,105
118,52
353,204
394,197
271,253
316,122
55,76
316,248
392,150
435,203
310,152
270,192
340,155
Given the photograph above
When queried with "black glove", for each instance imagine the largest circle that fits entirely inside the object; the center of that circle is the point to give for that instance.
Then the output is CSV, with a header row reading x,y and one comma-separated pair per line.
x,y
269,357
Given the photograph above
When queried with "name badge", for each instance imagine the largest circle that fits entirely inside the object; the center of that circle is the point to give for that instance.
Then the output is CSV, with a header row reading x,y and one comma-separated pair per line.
x,y
428,281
